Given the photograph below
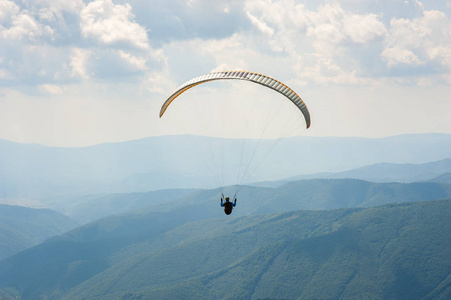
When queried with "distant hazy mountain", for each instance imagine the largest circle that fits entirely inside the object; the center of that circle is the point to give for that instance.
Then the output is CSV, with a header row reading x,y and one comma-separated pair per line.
x,y
340,193
106,205
389,172
398,251
445,178
22,227
195,162
302,194
311,194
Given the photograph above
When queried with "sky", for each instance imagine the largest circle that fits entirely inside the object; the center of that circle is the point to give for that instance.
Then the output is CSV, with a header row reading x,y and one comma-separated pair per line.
x,y
77,73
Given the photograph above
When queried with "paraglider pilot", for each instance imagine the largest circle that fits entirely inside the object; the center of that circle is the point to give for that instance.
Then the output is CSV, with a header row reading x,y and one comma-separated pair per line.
x,y
228,206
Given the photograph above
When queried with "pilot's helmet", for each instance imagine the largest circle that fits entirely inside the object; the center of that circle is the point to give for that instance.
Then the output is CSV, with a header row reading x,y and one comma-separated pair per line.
x,y
227,198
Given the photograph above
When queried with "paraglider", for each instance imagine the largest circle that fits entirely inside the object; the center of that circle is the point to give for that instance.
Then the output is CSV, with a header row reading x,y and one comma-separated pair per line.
x,y
228,206
247,76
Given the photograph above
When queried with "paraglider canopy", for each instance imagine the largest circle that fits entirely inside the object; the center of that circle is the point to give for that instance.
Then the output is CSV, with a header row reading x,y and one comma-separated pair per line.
x,y
242,75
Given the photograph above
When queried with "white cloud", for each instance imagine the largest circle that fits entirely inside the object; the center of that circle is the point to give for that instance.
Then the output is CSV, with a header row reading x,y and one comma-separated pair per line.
x,y
441,53
397,54
4,74
139,63
262,26
46,42
112,24
233,52
8,9
73,6
25,27
222,67
328,43
363,28
52,11
318,43
78,62
51,89
159,83
418,4
419,41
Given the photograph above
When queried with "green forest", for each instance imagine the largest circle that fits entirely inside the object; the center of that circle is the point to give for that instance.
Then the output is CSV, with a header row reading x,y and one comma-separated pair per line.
x,y
394,251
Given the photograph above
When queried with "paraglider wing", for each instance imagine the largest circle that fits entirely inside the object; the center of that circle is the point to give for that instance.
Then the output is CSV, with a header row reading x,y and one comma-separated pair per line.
x,y
242,75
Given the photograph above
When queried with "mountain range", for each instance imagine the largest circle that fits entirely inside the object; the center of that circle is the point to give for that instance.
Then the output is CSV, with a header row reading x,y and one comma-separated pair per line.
x,y
396,251
389,172
310,194
353,218
34,171
23,227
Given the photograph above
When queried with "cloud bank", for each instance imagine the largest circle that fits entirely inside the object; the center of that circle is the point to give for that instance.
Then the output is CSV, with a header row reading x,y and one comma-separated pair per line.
x,y
124,50
48,42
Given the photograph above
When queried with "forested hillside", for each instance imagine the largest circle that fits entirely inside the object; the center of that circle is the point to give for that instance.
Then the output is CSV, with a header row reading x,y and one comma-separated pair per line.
x,y
396,251
23,227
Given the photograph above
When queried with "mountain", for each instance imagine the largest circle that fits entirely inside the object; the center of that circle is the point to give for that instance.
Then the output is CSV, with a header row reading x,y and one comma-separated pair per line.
x,y
342,193
22,227
404,257
389,172
396,251
106,205
86,208
67,260
311,194
444,178
302,194
166,162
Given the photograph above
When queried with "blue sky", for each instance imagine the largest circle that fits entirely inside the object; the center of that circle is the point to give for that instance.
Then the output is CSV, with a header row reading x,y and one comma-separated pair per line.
x,y
78,73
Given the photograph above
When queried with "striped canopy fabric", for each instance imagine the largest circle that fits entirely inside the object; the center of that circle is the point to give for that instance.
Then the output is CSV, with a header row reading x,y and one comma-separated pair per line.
x,y
243,75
